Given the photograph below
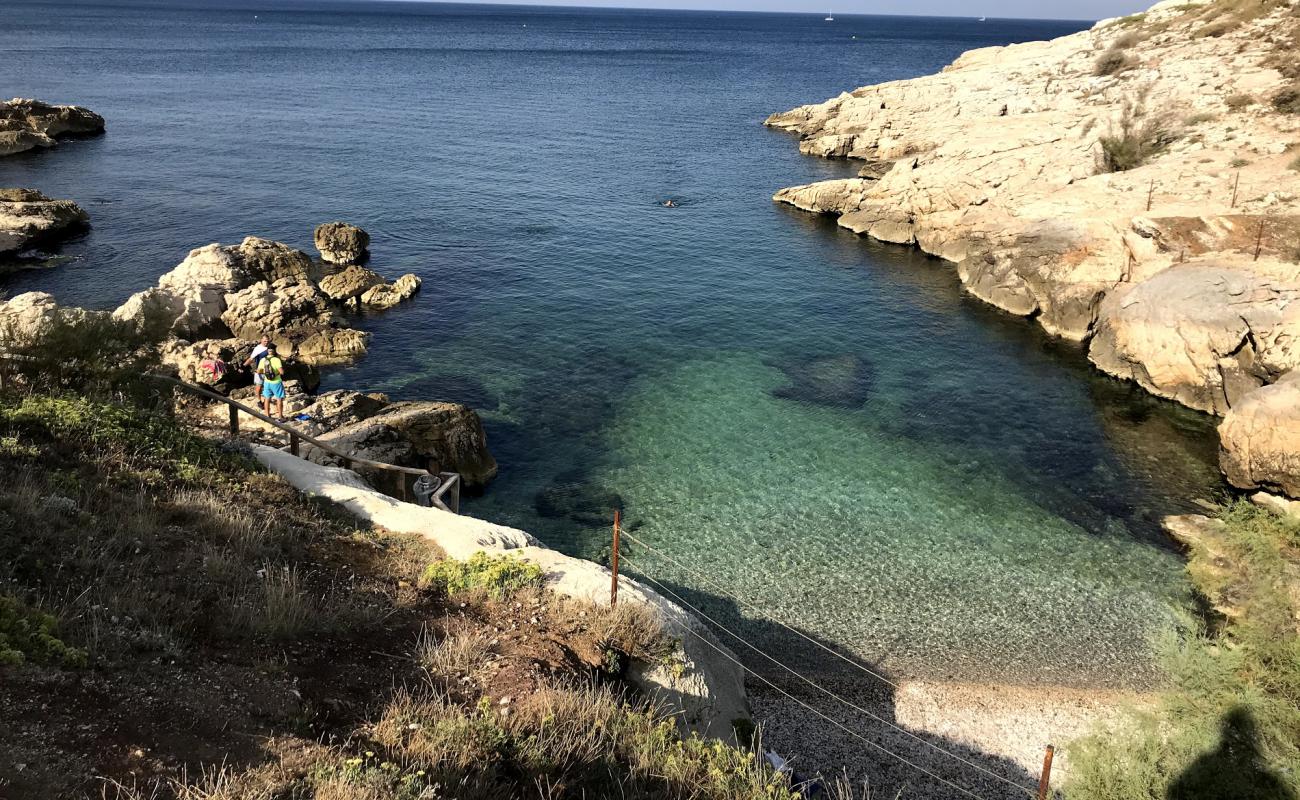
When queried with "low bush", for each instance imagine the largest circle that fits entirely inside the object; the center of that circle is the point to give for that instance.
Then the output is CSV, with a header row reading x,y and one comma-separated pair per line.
x,y
1238,101
1199,118
27,635
1229,725
1113,62
1136,139
497,576
85,352
1287,100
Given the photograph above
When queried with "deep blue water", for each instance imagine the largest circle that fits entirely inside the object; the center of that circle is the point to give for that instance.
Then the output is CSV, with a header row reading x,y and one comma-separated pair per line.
x,y
986,506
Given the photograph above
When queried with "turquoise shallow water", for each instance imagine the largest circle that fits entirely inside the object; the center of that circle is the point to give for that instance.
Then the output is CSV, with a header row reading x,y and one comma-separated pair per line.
x,y
971,500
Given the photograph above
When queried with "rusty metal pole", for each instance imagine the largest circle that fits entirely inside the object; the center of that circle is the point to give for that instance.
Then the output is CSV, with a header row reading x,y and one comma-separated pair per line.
x,y
1235,184
1046,780
613,565
1259,238
1151,192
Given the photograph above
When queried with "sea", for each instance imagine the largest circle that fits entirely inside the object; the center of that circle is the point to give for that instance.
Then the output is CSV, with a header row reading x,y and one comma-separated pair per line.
x,y
808,434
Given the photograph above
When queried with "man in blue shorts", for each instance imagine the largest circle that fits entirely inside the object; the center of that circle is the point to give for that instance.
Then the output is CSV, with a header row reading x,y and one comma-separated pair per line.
x,y
271,368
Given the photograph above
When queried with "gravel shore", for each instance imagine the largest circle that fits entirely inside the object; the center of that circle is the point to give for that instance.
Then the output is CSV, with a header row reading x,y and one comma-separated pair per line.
x,y
996,734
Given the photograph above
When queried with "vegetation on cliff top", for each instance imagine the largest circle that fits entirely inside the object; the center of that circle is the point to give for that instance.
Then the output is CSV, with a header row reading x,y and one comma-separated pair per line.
x,y
1229,726
168,609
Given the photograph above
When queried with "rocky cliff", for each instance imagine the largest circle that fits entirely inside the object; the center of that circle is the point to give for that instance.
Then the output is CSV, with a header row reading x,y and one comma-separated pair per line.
x,y
1135,186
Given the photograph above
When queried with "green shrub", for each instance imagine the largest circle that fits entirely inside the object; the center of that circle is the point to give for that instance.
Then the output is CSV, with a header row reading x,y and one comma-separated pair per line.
x,y
102,423
1229,725
27,635
499,576
1198,118
79,352
1137,139
1238,163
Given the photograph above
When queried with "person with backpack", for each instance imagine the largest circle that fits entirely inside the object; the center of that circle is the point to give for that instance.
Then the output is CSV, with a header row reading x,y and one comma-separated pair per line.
x,y
271,370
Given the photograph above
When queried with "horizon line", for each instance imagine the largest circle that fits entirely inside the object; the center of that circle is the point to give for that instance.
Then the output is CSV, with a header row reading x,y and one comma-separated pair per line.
x,y
254,5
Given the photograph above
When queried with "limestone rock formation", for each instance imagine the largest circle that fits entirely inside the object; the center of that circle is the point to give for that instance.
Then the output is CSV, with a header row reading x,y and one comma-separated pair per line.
x,y
272,261
386,295
27,124
24,316
350,283
1201,334
435,435
288,305
341,243
28,218
1260,438
256,287
1146,202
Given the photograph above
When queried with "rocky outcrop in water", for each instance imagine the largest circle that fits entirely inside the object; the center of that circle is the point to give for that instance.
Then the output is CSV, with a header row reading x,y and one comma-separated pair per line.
x,y
1135,186
261,287
341,243
29,218
438,436
28,124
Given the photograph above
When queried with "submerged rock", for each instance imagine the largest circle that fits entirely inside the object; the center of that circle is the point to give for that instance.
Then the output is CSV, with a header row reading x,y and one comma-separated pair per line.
x,y
29,218
342,243
27,124
571,496
842,381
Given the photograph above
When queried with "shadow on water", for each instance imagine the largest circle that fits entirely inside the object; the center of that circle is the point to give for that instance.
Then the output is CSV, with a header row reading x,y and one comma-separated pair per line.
x,y
1232,771
815,746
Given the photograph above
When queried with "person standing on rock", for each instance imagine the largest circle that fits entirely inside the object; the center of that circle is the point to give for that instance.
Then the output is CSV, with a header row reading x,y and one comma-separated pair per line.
x,y
271,371
254,358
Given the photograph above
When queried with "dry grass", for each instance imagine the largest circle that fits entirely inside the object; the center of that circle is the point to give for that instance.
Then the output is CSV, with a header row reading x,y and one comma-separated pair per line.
x,y
1139,136
460,656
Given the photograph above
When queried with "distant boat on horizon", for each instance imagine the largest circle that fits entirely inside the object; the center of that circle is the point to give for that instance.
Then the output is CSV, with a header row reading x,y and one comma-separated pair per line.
x,y
983,19
830,16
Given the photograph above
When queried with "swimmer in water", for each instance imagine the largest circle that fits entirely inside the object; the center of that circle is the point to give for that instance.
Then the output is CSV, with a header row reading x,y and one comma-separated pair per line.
x,y
669,203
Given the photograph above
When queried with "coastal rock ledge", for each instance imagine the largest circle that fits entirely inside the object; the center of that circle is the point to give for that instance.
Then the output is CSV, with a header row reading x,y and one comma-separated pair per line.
x,y
29,218
27,124
1135,186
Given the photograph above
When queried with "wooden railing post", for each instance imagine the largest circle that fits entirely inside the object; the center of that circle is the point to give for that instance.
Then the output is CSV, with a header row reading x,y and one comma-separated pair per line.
x,y
1045,781
293,443
234,421
613,565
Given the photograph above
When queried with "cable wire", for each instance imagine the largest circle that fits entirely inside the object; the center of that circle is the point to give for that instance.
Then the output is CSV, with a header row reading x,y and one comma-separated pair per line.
x,y
749,607
722,652
828,692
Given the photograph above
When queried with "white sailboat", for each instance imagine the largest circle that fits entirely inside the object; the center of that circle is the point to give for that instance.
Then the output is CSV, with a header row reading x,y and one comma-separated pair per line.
x,y
830,16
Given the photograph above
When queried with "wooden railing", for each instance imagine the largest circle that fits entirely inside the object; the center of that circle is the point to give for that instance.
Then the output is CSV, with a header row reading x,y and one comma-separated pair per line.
x,y
443,489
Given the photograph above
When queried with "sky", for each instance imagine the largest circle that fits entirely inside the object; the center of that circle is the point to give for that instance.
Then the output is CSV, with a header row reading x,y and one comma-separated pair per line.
x,y
1034,9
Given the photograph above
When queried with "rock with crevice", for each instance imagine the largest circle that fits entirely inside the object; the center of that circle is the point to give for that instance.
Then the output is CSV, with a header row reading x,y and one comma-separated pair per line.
x,y
350,283
386,295
284,306
1259,438
1202,334
437,436
29,218
27,124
